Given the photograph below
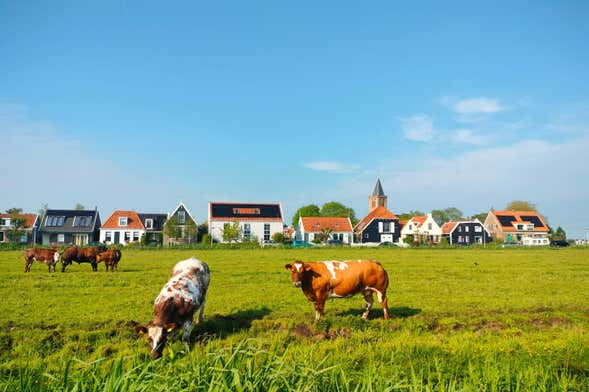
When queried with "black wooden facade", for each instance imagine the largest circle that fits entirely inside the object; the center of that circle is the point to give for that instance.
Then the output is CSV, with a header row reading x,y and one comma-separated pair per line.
x,y
468,233
374,231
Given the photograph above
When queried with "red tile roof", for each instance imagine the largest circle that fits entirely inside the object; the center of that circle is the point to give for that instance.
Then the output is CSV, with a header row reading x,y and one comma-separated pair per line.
x,y
518,219
448,227
418,220
133,221
29,218
378,212
318,223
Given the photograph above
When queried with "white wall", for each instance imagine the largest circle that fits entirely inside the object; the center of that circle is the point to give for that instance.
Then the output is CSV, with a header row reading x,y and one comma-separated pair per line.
x,y
256,229
102,237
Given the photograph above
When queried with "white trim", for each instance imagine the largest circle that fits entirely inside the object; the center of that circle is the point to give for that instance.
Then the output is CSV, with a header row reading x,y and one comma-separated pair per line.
x,y
185,209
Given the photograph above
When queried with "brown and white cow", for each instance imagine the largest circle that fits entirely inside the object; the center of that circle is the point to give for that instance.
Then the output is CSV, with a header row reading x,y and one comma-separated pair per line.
x,y
179,299
48,256
81,255
339,279
111,258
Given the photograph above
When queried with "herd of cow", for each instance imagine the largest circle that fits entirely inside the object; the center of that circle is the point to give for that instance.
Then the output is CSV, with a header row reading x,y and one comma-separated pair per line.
x,y
92,255
185,292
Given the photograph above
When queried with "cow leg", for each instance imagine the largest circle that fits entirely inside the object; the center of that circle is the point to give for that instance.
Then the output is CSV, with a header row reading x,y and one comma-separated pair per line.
x,y
187,328
28,265
369,301
201,310
385,309
48,266
94,266
319,309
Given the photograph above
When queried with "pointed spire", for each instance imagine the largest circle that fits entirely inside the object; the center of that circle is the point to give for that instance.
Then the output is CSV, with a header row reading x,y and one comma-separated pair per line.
x,y
378,189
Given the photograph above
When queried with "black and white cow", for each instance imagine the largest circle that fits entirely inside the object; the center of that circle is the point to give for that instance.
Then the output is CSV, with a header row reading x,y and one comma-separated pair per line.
x,y
176,304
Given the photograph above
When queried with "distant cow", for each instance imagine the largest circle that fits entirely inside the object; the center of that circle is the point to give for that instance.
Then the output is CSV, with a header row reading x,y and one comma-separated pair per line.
x,y
81,255
176,304
48,256
111,258
338,279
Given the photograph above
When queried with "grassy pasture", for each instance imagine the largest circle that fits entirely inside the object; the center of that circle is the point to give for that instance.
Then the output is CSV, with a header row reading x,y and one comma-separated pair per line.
x,y
473,319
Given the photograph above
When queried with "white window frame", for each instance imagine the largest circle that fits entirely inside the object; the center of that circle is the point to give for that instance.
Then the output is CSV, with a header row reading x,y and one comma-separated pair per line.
x,y
60,238
124,219
181,217
136,236
149,223
107,236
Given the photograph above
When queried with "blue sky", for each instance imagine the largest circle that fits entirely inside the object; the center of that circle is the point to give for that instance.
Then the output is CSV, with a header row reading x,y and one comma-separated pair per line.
x,y
136,106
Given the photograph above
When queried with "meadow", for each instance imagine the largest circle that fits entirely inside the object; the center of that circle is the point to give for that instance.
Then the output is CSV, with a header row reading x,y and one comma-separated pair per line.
x,y
462,319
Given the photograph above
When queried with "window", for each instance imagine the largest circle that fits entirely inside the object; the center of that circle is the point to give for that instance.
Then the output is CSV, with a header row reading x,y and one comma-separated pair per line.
x,y
127,236
181,217
149,223
366,235
466,228
247,231
82,221
135,236
23,238
380,227
3,222
61,238
266,231
123,220
429,226
108,236
478,229
459,238
520,227
54,221
1,236
386,227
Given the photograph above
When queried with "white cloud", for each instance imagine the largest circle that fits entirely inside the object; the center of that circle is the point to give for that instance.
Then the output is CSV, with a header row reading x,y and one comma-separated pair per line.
x,y
329,166
477,106
467,136
418,128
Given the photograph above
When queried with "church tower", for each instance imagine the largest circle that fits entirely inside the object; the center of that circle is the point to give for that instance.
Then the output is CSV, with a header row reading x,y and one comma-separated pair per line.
x,y
378,198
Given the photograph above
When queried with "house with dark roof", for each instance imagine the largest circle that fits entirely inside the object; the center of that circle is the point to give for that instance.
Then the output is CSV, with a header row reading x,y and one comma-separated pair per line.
x,y
154,227
527,227
380,224
255,220
28,233
184,220
465,232
78,227
423,229
338,229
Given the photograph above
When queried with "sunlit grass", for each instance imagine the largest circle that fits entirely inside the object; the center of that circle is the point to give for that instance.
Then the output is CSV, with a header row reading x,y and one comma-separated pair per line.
x,y
462,320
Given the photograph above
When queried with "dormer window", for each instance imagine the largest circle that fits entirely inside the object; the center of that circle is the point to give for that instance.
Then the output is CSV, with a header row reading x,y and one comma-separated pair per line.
x,y
149,223
181,217
123,220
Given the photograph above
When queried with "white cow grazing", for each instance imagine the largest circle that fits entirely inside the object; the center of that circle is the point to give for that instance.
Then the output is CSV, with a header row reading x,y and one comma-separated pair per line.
x,y
177,302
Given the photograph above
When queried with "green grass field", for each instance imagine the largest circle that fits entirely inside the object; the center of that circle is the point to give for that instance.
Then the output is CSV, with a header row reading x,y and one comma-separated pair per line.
x,y
514,319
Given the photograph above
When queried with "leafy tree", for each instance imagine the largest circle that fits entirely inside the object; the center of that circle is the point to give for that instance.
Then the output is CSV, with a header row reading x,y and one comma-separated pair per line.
x,y
190,231
206,239
521,205
446,215
79,207
323,235
480,216
337,209
308,210
203,229
231,232
172,229
278,237
17,224
410,214
559,234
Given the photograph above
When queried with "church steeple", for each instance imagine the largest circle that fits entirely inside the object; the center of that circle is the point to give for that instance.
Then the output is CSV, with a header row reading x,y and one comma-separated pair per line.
x,y
378,198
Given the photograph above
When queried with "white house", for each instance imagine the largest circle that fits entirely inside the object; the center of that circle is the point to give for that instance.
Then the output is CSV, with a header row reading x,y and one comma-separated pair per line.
x,y
256,220
122,227
423,228
340,229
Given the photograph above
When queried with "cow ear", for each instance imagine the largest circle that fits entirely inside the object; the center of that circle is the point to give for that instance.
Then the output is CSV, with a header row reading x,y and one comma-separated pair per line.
x,y
140,329
288,267
170,327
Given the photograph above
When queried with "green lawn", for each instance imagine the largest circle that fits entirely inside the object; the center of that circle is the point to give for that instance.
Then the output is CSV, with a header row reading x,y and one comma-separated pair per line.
x,y
473,319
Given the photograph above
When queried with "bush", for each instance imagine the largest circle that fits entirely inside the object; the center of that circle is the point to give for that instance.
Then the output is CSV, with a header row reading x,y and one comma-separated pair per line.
x,y
278,238
206,239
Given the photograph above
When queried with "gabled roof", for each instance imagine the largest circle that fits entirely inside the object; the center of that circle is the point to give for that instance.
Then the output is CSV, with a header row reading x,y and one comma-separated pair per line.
x,y
181,204
507,220
30,219
378,189
70,221
317,223
418,220
267,212
158,221
133,221
448,227
378,212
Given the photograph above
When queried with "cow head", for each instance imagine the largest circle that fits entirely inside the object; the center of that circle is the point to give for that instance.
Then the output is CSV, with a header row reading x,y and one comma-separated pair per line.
x,y
56,256
297,269
156,336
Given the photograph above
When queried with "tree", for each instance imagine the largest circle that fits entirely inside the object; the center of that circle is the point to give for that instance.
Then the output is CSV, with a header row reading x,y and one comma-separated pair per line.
x,y
446,215
410,214
308,210
17,224
206,239
203,229
190,231
79,207
480,216
559,234
521,205
172,229
278,237
231,232
337,209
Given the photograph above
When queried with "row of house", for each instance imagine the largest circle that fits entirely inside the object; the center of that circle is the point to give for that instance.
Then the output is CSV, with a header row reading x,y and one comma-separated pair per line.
x,y
260,221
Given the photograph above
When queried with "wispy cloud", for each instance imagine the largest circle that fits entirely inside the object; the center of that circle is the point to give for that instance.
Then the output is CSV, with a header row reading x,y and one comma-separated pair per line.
x,y
330,166
477,106
418,128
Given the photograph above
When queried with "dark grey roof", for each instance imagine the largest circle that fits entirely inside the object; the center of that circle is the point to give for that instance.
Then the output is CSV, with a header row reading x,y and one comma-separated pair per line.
x,y
245,211
69,218
158,221
378,189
